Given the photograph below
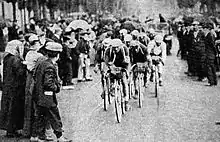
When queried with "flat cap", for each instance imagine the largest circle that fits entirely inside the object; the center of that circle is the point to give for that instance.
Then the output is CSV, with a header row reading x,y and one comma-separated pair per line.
x,y
33,38
135,33
195,23
116,42
54,46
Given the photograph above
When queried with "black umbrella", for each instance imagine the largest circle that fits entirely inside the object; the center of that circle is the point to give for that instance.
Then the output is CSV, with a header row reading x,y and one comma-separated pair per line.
x,y
128,25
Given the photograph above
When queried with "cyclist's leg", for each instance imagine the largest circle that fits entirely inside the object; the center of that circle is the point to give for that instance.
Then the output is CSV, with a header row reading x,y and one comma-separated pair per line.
x,y
111,85
125,90
103,79
147,74
152,73
135,85
160,73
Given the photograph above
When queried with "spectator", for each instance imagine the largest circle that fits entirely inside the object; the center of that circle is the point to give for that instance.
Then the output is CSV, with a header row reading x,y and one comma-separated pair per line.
x,y
14,76
82,50
13,31
211,53
47,86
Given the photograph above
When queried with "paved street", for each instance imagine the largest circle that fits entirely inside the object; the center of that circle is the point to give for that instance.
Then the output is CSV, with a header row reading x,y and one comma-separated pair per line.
x,y
187,112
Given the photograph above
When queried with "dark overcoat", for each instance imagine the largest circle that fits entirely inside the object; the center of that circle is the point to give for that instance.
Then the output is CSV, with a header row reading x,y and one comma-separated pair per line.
x,y
12,103
46,84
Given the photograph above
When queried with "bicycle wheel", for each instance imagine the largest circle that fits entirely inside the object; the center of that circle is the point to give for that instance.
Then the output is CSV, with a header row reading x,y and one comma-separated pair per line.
x,y
156,82
108,85
156,86
105,97
122,100
118,105
140,95
131,88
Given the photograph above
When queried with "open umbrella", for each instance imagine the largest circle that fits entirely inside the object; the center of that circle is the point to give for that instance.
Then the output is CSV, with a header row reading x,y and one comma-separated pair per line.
x,y
79,24
129,25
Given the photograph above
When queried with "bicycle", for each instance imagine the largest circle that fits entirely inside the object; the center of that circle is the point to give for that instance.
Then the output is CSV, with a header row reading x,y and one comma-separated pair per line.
x,y
131,85
116,74
105,79
139,71
156,61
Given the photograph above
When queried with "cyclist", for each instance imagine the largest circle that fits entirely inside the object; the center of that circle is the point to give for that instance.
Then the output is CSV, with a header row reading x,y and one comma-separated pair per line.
x,y
118,55
127,40
157,47
135,35
99,59
151,34
144,39
138,54
123,32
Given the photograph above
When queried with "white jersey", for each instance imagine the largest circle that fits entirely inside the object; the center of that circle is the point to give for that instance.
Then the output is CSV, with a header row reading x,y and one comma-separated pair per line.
x,y
157,50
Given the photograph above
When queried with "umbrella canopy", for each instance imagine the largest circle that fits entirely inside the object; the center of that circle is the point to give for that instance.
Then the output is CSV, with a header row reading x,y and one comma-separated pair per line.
x,y
129,25
79,24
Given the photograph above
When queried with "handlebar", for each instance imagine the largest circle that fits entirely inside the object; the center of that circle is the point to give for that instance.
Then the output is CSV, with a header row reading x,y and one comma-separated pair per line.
x,y
140,67
117,70
156,60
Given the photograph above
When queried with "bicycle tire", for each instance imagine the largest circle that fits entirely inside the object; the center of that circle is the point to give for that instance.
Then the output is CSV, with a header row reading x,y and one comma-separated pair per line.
x,y
122,101
131,89
108,90
105,101
130,86
156,86
118,110
140,99
156,82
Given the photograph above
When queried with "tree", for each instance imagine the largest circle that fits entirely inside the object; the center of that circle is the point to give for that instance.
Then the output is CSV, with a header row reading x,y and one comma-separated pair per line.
x,y
186,3
209,4
52,6
30,7
14,7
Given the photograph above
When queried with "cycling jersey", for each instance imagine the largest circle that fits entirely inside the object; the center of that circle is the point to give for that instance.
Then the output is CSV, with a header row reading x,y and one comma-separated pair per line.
x,y
117,57
156,50
138,54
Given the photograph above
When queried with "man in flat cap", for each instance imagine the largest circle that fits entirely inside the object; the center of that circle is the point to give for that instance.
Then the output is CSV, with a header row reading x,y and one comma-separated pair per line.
x,y
82,50
46,87
198,45
211,52
66,61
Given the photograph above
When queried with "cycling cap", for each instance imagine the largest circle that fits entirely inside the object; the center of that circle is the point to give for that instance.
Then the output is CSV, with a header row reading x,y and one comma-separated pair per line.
x,y
158,38
107,42
116,42
128,37
195,23
123,31
152,31
135,33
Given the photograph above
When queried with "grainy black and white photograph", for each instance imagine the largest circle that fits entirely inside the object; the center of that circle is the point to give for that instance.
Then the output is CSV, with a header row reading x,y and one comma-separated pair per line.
x,y
109,70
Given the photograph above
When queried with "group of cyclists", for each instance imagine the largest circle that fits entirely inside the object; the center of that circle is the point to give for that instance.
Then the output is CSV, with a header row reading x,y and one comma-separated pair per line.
x,y
127,50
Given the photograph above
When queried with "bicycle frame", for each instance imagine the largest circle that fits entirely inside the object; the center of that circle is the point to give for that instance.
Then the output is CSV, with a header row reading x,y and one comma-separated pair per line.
x,y
141,68
119,95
